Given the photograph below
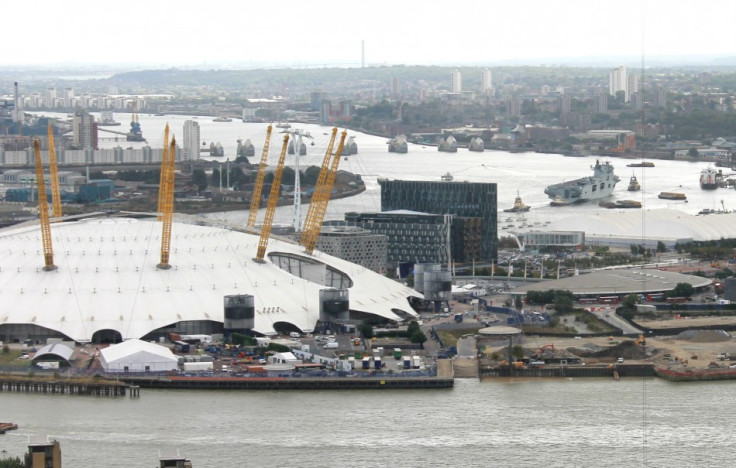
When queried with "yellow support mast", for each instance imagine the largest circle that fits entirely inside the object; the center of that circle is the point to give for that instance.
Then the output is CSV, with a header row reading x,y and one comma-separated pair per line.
x,y
168,208
273,198
309,220
255,201
162,176
43,211
322,197
54,175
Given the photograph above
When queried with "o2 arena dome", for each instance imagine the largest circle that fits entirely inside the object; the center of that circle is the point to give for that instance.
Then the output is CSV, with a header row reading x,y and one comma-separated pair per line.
x,y
106,285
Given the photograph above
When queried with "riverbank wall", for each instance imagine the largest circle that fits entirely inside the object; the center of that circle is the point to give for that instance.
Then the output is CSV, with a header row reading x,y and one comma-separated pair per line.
x,y
286,383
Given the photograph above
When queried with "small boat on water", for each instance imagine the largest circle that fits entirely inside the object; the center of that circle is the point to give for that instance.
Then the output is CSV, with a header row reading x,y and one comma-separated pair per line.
x,y
672,196
620,204
559,201
398,144
634,185
5,426
222,118
641,164
519,206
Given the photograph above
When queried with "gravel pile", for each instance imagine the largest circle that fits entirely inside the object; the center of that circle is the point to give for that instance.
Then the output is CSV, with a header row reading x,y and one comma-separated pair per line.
x,y
704,336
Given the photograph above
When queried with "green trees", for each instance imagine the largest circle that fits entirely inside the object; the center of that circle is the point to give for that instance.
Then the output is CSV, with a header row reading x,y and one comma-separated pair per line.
x,y
11,462
682,290
199,178
416,335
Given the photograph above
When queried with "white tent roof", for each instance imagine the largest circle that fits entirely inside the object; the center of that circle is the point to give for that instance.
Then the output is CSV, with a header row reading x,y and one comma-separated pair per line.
x,y
657,224
106,279
129,348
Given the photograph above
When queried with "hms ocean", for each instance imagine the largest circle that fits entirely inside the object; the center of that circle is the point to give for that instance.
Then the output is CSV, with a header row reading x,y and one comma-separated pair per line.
x,y
599,185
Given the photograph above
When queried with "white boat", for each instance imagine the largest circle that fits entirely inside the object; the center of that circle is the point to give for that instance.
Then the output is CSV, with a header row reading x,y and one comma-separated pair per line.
x,y
599,185
710,179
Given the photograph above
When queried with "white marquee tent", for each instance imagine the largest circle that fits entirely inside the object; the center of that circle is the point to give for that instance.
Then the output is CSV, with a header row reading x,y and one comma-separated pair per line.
x,y
137,356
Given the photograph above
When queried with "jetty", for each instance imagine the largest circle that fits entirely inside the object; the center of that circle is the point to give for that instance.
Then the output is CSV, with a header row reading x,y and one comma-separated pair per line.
x,y
67,387
291,383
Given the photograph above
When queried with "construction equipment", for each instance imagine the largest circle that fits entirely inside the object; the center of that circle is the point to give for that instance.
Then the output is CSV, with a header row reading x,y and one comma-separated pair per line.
x,y
541,350
164,166
321,198
641,340
255,201
54,175
273,198
135,134
310,220
43,211
168,206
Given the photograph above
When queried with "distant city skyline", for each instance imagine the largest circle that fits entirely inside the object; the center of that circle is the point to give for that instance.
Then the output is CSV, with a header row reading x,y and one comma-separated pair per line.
x,y
330,33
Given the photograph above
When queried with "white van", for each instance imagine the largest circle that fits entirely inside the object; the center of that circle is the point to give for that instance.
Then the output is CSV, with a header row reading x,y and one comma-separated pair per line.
x,y
331,345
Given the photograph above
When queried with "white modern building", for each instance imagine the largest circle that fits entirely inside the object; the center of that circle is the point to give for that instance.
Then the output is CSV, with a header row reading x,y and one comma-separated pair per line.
x,y
618,81
457,82
486,82
107,287
191,141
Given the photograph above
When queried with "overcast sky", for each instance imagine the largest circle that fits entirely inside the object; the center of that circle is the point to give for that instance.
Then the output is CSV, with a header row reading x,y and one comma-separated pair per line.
x,y
208,33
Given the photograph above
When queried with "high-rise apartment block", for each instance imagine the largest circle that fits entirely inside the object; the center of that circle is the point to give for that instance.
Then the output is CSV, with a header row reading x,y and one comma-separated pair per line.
x,y
457,82
486,82
191,141
617,81
84,130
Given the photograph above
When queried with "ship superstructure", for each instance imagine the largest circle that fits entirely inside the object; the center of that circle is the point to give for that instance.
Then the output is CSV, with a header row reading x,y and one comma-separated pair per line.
x,y
599,185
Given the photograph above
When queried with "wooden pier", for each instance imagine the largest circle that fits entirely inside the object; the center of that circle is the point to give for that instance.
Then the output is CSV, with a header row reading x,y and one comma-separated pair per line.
x,y
70,387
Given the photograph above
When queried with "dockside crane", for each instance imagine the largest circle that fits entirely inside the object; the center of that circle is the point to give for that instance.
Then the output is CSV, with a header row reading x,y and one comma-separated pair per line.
x,y
43,211
309,220
168,208
255,201
162,176
273,197
54,175
321,198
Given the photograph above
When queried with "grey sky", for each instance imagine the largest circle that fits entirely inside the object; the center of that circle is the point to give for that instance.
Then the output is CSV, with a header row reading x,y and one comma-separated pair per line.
x,y
328,32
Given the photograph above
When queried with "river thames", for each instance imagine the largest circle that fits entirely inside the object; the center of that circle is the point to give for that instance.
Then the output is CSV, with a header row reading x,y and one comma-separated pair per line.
x,y
542,422
529,423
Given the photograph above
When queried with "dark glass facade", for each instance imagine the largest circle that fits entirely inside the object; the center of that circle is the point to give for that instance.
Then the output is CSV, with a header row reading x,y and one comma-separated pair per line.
x,y
473,206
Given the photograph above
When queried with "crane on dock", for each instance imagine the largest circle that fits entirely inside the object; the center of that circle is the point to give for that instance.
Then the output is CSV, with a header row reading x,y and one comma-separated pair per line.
x,y
255,200
43,211
321,197
135,134
273,198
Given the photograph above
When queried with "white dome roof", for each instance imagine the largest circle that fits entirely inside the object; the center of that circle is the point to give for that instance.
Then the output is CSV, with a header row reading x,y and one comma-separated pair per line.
x,y
106,278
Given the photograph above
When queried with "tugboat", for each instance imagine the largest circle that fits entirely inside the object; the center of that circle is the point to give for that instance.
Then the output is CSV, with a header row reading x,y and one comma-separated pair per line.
x,y
599,185
519,206
633,184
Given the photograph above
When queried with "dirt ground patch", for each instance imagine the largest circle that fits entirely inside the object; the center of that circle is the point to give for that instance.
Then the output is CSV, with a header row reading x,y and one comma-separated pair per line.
x,y
465,367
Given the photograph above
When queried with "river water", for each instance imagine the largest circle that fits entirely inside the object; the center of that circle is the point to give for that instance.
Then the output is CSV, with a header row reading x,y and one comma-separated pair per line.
x,y
526,423
525,173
